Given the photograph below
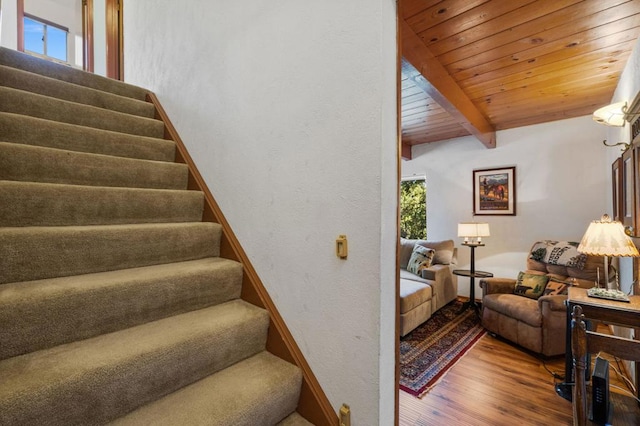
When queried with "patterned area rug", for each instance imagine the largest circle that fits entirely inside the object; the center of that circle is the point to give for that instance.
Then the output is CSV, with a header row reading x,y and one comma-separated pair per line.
x,y
430,350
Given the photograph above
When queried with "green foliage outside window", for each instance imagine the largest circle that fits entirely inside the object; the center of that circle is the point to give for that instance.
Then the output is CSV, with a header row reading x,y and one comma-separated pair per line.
x,y
413,209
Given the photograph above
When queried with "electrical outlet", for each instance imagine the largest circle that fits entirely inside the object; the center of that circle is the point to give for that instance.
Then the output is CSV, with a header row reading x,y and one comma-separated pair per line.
x,y
345,415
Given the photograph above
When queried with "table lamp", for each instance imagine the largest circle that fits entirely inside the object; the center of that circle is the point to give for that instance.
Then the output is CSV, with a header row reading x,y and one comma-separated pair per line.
x,y
472,232
606,238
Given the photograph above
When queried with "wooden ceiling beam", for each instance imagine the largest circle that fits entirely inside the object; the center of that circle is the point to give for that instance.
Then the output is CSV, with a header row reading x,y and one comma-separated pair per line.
x,y
429,137
427,73
406,151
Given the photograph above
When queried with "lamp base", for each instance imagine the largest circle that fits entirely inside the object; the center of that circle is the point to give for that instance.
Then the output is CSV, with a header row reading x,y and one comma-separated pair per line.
x,y
473,244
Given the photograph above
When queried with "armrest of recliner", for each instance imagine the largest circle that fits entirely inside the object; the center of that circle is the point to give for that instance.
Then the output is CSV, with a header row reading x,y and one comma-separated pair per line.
x,y
552,303
497,285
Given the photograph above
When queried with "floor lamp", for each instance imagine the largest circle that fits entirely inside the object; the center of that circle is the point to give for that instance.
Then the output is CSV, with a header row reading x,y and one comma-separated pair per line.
x,y
472,232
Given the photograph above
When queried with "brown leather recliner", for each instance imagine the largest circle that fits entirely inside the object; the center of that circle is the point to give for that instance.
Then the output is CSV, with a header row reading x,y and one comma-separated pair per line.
x,y
538,325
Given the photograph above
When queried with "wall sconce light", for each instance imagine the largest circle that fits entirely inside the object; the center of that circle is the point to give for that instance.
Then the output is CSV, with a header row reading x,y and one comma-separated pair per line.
x,y
625,146
611,115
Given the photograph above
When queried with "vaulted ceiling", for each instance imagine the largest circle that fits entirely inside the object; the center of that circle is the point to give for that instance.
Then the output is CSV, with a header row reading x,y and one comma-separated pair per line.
x,y
471,67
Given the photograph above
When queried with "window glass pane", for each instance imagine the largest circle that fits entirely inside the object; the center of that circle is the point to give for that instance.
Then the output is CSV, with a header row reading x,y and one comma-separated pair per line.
x,y
56,43
413,209
33,36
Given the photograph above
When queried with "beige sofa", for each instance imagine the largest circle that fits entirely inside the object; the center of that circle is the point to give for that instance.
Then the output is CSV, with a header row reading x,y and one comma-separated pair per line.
x,y
421,296
535,324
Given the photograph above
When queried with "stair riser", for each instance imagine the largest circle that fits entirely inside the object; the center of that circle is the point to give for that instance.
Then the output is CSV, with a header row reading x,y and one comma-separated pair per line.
x,y
25,62
28,163
106,383
33,253
23,129
35,204
41,314
27,103
261,390
22,80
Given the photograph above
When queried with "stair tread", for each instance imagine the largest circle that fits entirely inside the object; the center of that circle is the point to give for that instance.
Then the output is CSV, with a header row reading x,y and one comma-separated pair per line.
x,y
257,390
38,252
40,106
47,86
122,369
17,128
295,419
38,314
52,165
53,204
15,59
127,320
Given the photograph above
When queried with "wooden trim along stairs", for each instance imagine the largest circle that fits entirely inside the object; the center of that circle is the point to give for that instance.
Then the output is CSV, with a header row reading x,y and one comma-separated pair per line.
x,y
125,297
313,404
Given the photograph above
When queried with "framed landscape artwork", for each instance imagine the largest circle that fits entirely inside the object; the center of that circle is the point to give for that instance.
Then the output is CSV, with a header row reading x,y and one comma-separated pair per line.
x,y
494,191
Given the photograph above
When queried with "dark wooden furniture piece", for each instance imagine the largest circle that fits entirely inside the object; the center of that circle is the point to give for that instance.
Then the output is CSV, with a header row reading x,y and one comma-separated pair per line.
x,y
584,342
472,274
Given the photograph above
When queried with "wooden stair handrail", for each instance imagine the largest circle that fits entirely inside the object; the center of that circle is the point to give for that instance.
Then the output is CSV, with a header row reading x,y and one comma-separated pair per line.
x,y
313,404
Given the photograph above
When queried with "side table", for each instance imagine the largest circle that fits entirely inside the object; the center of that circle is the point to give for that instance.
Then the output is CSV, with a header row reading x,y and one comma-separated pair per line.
x,y
607,311
472,275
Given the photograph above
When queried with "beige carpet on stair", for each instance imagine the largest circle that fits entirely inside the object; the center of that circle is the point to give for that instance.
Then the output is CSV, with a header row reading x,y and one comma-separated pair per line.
x,y
115,305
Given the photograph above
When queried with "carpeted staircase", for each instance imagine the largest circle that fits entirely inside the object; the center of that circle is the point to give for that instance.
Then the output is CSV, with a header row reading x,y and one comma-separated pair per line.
x,y
115,306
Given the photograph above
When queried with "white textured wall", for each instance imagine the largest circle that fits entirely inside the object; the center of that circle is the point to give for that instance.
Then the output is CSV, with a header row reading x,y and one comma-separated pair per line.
x,y
627,89
561,178
9,24
288,109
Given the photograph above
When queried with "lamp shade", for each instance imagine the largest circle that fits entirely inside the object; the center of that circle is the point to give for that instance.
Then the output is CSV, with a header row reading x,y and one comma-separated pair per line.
x,y
611,115
605,237
473,229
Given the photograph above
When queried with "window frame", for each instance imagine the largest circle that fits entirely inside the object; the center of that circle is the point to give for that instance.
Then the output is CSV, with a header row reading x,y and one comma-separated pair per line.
x,y
46,23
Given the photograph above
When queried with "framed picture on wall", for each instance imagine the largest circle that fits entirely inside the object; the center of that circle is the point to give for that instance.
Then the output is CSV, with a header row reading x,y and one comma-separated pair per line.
x,y
628,193
494,191
617,188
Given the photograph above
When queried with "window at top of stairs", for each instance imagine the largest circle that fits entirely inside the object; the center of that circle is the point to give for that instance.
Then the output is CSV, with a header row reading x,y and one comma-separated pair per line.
x,y
45,38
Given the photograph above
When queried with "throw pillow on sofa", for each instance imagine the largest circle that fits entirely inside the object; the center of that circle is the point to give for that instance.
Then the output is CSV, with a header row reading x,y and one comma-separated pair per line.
x,y
531,285
443,250
555,287
558,253
421,258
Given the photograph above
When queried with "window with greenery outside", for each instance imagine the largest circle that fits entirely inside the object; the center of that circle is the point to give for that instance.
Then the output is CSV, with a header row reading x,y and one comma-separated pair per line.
x,y
413,209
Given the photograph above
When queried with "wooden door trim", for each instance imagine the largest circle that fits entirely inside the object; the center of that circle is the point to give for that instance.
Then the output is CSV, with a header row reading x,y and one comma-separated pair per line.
x,y
114,39
399,149
20,14
87,35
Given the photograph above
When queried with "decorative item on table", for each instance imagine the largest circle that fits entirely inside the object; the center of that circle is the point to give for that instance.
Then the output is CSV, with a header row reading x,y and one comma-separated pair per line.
x,y
603,293
606,238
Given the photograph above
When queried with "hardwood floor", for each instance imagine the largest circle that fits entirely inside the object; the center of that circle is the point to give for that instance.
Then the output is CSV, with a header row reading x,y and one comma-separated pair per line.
x,y
495,384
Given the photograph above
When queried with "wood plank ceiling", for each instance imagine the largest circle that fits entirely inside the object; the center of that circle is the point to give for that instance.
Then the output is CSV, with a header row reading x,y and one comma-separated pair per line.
x,y
476,66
